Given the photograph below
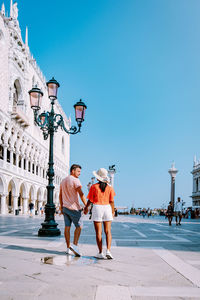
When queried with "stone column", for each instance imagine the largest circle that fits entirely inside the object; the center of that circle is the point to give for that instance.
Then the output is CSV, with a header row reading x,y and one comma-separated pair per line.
x,y
111,173
173,171
25,206
3,204
11,156
5,153
15,204
17,159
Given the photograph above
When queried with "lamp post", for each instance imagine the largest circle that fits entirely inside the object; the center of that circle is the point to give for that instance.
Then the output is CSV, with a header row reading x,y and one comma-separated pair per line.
x,y
173,171
111,172
49,122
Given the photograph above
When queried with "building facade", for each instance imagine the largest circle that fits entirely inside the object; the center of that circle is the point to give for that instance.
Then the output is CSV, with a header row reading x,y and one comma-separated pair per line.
x,y
24,153
196,184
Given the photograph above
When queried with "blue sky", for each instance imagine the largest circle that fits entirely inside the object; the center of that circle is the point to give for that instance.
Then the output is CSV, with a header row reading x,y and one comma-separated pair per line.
x,y
136,64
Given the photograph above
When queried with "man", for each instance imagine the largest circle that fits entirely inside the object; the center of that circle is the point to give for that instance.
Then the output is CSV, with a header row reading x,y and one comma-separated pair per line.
x,y
70,190
178,211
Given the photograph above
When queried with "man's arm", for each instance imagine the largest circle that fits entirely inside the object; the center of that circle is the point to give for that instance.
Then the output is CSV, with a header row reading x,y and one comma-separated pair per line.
x,y
86,207
61,201
82,196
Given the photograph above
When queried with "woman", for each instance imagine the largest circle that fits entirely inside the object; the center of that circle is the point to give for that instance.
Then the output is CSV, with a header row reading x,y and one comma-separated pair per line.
x,y
170,213
101,195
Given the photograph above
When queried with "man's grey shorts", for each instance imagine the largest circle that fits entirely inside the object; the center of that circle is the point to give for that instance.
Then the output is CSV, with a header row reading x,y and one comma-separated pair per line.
x,y
72,216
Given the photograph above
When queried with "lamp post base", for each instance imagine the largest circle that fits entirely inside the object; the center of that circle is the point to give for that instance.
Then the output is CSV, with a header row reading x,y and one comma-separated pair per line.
x,y
49,229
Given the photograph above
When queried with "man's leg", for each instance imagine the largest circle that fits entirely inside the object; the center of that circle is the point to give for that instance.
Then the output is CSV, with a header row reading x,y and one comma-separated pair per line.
x,y
67,235
77,233
180,217
107,230
176,218
98,229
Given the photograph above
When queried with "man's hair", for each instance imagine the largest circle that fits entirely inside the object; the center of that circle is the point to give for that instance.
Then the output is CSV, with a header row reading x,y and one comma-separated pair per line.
x,y
179,198
74,167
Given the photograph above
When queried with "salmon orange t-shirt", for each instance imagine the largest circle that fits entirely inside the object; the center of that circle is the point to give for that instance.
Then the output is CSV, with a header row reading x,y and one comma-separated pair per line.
x,y
69,194
96,196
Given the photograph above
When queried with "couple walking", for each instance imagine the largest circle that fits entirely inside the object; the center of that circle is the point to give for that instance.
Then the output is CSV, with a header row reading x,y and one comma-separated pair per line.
x,y
101,195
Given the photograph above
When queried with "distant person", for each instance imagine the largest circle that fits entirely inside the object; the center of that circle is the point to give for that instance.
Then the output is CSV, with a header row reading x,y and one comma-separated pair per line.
x,y
70,190
178,211
31,207
102,195
170,213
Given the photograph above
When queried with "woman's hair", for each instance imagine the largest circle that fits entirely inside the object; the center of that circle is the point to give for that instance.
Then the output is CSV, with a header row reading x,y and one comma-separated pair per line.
x,y
102,186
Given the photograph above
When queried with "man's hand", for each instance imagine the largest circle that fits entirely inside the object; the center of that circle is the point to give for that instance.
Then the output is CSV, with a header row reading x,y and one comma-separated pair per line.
x,y
85,211
60,211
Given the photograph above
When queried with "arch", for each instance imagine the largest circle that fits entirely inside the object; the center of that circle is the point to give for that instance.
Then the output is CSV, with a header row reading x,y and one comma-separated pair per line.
x,y
45,196
3,185
40,194
32,193
14,185
24,190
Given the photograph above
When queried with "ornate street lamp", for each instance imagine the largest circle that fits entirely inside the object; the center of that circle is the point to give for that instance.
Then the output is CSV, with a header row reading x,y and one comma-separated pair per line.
x,y
49,123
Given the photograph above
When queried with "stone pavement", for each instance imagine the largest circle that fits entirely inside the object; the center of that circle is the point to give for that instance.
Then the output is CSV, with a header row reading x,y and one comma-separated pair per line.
x,y
155,262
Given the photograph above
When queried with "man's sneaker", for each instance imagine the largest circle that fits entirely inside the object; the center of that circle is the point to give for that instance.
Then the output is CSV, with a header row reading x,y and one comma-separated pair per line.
x,y
69,252
100,256
75,250
109,255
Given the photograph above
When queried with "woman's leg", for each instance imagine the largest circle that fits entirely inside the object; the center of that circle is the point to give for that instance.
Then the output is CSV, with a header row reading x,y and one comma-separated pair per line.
x,y
98,229
107,230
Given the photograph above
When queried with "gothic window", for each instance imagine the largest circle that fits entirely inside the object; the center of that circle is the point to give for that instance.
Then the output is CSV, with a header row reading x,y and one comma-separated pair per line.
x,y
20,161
14,159
24,164
33,81
36,170
15,95
1,152
10,198
29,166
33,168
19,200
8,156
197,185
43,173
1,37
63,145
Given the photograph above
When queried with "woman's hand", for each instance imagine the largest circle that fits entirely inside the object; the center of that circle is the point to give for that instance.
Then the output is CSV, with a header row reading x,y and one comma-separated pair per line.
x,y
85,211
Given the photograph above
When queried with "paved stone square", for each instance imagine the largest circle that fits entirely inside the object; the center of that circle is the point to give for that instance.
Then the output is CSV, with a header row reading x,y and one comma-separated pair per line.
x,y
152,261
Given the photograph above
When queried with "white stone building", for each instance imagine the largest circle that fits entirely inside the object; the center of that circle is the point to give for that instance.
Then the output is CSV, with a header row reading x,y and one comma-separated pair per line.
x,y
23,151
196,184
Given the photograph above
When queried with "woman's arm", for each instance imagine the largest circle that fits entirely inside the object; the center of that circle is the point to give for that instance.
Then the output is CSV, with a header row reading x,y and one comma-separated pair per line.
x,y
113,208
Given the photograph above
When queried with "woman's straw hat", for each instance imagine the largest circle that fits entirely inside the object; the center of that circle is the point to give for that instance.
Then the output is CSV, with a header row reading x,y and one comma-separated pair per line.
x,y
101,175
